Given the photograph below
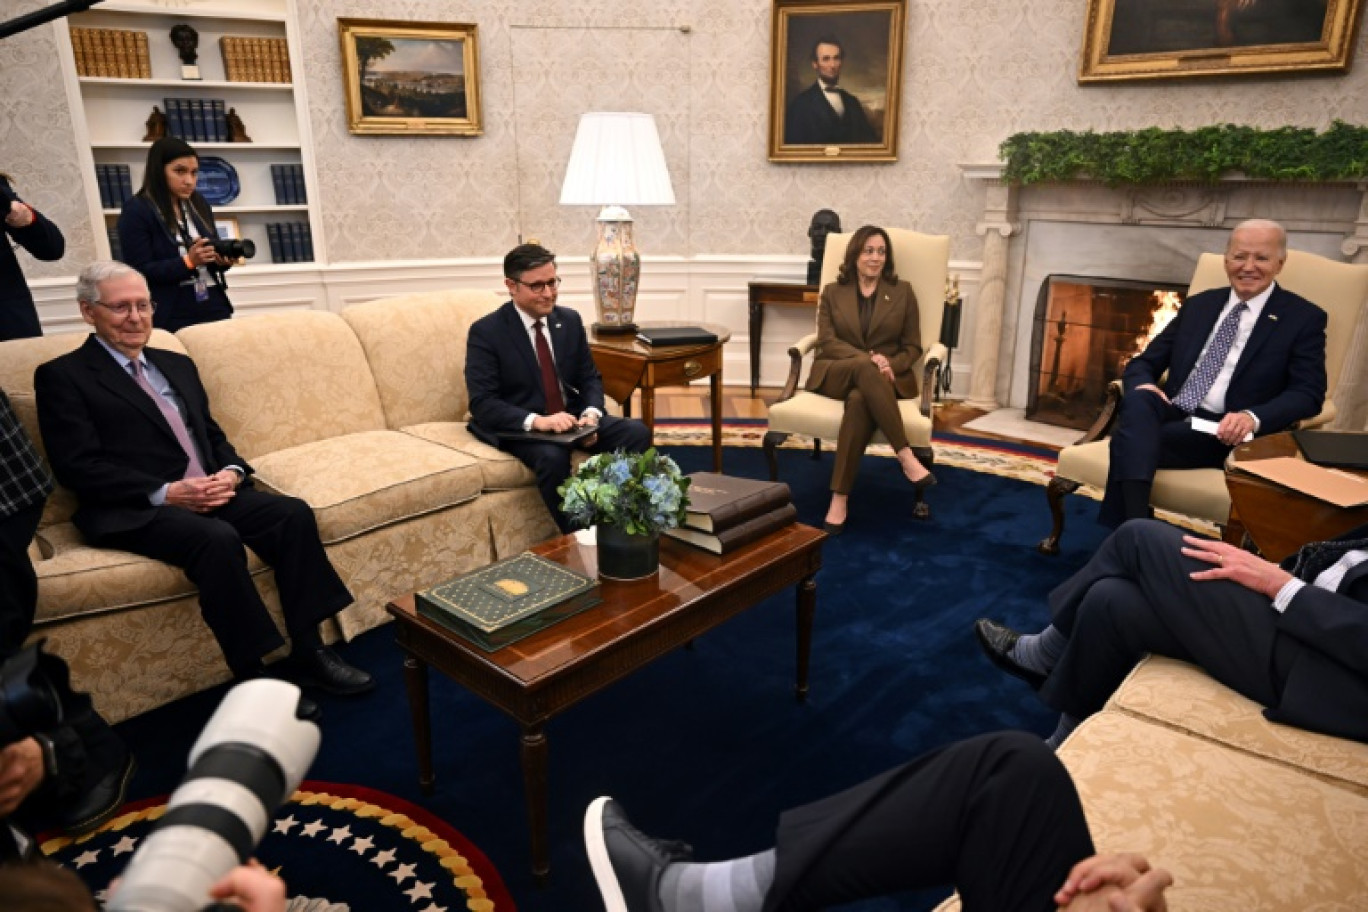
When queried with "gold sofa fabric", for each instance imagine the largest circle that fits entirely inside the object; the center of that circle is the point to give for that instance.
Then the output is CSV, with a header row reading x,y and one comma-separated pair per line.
x,y
501,470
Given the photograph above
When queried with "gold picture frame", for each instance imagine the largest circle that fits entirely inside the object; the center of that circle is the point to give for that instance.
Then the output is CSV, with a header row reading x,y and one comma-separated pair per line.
x,y
411,78
854,118
1178,39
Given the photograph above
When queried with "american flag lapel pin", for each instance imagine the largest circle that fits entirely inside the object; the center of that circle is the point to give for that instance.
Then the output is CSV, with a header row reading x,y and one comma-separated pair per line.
x,y
1273,317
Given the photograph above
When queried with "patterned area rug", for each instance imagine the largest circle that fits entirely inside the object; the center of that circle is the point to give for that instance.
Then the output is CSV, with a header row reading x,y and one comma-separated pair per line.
x,y
1023,462
338,847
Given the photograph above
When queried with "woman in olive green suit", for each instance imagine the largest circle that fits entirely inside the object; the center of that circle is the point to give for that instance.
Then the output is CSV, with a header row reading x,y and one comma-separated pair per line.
x,y
868,344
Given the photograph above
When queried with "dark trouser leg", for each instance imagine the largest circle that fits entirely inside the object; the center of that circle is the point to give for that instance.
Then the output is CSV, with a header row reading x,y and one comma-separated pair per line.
x,y
1150,434
876,406
283,531
211,553
621,434
1134,596
18,582
857,429
551,464
996,816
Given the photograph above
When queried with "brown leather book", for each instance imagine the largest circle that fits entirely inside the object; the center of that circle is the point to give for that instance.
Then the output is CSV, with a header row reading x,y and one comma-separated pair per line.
x,y
743,533
718,502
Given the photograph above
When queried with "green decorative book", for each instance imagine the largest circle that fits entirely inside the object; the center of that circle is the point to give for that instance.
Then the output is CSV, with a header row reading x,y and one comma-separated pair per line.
x,y
508,600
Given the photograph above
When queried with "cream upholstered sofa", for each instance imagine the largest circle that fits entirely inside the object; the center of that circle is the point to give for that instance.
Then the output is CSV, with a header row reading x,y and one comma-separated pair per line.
x,y
1247,815
360,414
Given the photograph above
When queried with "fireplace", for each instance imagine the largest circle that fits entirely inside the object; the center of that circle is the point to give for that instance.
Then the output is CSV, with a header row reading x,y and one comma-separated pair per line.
x,y
1084,332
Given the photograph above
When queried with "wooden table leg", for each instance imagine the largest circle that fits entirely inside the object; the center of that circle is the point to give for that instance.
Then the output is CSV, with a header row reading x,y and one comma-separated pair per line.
x,y
534,764
757,324
807,609
716,381
416,680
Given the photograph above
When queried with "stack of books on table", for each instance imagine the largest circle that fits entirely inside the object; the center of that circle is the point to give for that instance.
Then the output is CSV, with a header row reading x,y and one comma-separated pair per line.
x,y
727,512
508,600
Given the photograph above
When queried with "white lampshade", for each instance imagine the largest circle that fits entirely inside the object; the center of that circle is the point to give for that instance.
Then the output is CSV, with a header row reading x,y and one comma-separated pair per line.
x,y
617,160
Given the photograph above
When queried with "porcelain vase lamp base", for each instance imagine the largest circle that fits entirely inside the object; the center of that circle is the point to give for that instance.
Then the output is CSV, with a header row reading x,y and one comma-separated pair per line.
x,y
617,267
627,557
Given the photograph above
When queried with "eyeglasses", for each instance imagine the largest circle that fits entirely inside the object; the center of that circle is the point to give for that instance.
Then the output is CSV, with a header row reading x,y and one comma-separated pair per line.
x,y
539,287
123,308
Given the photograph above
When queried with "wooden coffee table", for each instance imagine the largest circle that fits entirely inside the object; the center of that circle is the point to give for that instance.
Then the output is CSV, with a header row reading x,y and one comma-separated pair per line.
x,y
534,679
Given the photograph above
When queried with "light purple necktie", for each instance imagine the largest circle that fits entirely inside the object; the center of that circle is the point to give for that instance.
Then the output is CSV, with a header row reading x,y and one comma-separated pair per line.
x,y
193,469
1203,376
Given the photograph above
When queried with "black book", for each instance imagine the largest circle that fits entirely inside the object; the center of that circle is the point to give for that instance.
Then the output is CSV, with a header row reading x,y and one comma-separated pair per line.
x,y
102,181
744,533
1341,449
718,502
301,193
123,185
218,120
273,236
115,246
282,195
290,240
676,335
306,241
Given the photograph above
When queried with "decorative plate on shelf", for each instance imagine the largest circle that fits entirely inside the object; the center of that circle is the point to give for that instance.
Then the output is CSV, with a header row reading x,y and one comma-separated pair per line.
x,y
218,181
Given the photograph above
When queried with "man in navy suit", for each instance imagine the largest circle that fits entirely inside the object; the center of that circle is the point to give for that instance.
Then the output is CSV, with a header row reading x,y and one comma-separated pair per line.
x,y
528,368
128,429
1250,358
1293,637
824,113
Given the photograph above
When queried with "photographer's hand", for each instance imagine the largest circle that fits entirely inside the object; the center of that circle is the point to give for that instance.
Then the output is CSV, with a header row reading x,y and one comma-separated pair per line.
x,y
21,771
252,887
19,215
201,253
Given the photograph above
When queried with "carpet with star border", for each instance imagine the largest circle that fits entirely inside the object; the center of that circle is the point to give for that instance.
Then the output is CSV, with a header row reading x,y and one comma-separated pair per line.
x,y
337,847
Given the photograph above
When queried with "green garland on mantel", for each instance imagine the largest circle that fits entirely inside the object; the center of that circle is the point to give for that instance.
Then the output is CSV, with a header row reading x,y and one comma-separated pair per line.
x,y
1205,154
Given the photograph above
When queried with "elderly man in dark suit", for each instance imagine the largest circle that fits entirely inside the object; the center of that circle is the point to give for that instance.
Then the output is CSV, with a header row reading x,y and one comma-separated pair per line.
x,y
825,114
128,429
1249,358
1292,637
529,369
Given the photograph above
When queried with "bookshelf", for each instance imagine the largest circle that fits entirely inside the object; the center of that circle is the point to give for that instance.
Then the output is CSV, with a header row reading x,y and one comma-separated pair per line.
x,y
110,113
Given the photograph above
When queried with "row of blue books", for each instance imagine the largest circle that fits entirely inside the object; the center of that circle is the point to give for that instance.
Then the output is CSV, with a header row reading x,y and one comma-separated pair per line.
x,y
197,119
288,181
115,183
291,242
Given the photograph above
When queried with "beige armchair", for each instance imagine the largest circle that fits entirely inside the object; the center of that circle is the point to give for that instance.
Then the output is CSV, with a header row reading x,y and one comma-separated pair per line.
x,y
1341,289
922,260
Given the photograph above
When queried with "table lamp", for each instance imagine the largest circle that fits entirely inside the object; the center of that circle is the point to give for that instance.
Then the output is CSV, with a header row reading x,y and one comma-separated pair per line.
x,y
616,161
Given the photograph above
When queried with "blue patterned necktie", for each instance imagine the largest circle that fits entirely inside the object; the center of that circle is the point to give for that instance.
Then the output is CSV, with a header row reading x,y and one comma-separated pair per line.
x,y
1200,381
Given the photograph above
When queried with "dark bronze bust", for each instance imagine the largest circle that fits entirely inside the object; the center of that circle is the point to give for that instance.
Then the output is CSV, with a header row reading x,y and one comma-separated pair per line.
x,y
186,40
824,222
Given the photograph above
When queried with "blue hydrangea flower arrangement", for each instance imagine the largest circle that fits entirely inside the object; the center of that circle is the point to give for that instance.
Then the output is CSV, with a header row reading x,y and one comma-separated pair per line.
x,y
639,493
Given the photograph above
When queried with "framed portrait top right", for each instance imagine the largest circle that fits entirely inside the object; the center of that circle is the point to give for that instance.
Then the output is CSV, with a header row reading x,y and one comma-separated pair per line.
x,y
1172,39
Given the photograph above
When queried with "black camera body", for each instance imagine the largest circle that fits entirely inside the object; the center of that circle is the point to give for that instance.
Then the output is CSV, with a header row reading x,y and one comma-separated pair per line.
x,y
234,248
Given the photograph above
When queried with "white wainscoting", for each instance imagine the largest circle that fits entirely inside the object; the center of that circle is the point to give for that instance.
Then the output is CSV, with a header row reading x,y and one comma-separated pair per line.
x,y
702,289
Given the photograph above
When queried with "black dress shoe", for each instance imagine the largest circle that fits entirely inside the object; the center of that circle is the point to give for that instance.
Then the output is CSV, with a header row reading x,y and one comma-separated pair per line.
x,y
307,708
627,863
997,641
320,667
101,801
926,481
833,529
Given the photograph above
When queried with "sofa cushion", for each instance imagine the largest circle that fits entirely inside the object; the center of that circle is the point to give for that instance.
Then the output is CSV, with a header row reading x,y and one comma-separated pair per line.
x,y
415,343
363,481
75,579
1184,697
1237,831
280,380
502,471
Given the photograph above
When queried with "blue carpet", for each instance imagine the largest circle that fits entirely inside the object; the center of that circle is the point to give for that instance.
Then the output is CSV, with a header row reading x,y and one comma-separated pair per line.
x,y
709,745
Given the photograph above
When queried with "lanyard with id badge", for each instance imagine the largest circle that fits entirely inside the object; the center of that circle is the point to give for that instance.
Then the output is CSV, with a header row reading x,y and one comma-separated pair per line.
x,y
201,280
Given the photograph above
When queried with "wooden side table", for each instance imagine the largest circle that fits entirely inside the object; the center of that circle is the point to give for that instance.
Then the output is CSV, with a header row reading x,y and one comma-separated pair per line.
x,y
628,364
782,294
1280,520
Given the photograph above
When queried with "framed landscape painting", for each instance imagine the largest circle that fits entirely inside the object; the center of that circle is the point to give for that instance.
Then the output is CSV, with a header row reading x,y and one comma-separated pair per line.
x,y
836,80
1169,39
411,78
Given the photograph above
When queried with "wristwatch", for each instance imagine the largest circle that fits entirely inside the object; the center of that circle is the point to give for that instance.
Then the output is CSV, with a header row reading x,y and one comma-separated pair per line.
x,y
49,756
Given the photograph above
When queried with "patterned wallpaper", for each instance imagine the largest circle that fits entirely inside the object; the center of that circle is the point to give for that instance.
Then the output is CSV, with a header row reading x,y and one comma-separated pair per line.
x,y
975,72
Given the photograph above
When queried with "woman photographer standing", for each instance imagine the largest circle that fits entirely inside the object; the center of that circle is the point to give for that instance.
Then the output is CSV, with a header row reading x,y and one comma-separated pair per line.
x,y
27,228
166,230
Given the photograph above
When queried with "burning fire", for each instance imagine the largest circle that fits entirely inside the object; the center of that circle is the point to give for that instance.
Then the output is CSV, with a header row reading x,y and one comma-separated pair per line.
x,y
1166,304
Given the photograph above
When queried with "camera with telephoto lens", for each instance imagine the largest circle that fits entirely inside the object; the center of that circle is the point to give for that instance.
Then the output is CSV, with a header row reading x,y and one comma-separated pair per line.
x,y
234,248
249,759
29,701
